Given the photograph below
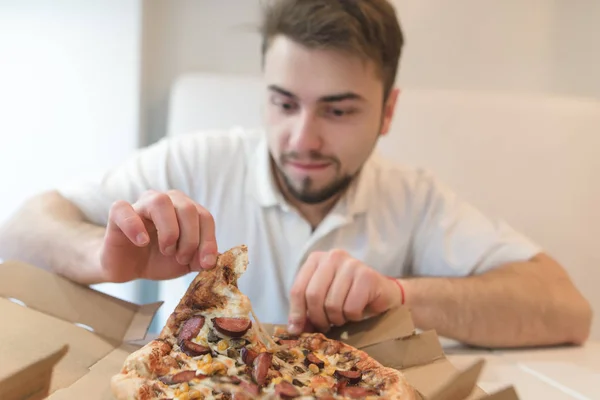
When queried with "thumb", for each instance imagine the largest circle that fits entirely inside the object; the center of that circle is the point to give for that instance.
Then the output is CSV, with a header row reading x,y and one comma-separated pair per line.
x,y
385,296
297,321
297,316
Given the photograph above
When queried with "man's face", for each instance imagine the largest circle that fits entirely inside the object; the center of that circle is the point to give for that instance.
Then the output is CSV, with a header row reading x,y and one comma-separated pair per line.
x,y
324,113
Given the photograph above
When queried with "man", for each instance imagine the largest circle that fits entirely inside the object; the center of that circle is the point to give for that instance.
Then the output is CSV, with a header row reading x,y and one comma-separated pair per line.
x,y
335,233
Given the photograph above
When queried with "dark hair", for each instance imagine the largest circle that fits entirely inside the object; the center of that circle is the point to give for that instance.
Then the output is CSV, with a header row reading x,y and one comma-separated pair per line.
x,y
366,28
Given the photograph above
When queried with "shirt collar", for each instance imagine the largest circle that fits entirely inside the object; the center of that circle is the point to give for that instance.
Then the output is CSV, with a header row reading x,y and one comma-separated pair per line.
x,y
260,182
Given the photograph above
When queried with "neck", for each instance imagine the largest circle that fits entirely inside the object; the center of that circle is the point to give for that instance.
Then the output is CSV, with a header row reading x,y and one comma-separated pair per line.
x,y
313,213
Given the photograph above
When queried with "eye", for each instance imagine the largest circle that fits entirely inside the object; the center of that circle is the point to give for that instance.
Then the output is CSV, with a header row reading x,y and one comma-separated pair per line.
x,y
285,104
340,112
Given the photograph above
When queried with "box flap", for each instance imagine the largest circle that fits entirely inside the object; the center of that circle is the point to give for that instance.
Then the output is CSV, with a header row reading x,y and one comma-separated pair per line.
x,y
138,327
407,352
31,381
393,324
54,295
96,384
506,394
27,334
461,385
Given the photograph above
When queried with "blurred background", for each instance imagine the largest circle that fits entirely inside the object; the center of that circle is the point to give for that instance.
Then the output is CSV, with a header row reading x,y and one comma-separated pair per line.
x,y
84,83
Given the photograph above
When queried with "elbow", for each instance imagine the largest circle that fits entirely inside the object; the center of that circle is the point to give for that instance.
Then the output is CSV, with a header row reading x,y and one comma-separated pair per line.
x,y
581,317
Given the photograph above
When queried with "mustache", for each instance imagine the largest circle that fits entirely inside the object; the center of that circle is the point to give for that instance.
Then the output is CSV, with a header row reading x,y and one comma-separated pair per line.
x,y
314,156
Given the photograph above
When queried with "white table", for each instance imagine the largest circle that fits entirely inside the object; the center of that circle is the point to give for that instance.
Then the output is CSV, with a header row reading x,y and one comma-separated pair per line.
x,y
557,373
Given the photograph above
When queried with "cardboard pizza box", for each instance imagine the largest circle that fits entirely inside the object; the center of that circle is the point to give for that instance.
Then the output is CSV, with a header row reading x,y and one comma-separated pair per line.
x,y
60,340
52,331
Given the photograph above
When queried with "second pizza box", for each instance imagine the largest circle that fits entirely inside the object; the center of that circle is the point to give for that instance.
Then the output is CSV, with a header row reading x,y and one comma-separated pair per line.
x,y
62,340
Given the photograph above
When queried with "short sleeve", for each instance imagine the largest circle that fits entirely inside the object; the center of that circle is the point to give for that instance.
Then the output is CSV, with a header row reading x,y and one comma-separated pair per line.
x,y
162,166
453,238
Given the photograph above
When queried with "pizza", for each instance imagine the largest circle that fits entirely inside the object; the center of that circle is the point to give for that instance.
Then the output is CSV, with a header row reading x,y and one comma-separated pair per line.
x,y
214,347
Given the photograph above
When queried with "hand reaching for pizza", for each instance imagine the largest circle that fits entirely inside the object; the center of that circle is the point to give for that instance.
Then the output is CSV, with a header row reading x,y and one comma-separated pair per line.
x,y
161,236
333,288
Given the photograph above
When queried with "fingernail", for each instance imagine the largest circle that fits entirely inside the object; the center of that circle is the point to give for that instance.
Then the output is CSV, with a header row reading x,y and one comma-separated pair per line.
x,y
141,239
209,260
294,328
185,260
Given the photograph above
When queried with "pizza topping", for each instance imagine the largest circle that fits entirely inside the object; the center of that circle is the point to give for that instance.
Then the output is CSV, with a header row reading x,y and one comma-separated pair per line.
x,y
234,327
193,349
286,356
248,355
261,367
233,353
356,392
296,382
286,390
288,342
312,343
240,396
276,364
345,360
212,337
249,387
195,395
222,345
353,377
332,347
299,369
237,343
180,377
191,328
312,359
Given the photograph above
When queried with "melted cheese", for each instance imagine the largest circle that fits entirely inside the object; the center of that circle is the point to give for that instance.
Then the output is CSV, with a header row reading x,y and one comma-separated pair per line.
x,y
268,340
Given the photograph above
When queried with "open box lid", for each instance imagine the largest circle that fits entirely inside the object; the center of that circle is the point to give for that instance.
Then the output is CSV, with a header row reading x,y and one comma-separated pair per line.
x,y
48,320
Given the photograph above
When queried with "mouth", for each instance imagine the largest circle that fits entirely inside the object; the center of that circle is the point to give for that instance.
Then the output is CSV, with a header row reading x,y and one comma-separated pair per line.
x,y
308,166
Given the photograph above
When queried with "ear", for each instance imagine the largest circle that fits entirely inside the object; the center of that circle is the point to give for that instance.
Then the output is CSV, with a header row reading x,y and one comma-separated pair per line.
x,y
388,111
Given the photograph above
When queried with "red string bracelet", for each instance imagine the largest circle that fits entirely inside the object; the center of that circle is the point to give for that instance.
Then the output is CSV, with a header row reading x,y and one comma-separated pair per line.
x,y
400,286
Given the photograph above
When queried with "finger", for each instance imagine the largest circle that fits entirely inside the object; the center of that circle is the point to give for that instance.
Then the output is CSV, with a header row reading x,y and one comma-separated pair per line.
x,y
189,228
337,294
358,297
159,208
122,218
308,326
208,242
316,291
297,317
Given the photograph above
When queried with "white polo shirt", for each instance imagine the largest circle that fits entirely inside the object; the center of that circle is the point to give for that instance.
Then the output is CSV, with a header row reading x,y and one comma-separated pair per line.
x,y
398,220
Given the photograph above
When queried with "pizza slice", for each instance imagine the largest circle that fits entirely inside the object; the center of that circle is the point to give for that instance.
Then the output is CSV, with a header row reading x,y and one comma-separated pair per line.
x,y
214,347
207,344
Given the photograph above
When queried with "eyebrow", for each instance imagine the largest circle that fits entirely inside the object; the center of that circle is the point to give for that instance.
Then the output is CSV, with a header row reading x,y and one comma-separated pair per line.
x,y
332,98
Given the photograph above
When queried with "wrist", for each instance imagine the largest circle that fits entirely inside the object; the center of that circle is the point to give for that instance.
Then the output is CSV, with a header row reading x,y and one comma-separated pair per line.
x,y
399,290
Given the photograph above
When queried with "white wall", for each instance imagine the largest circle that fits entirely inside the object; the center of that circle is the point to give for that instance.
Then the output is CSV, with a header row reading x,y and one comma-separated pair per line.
x,y
539,46
69,96
69,91
184,35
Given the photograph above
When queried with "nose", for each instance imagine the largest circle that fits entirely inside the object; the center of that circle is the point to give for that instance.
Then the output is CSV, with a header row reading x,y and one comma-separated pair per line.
x,y
305,135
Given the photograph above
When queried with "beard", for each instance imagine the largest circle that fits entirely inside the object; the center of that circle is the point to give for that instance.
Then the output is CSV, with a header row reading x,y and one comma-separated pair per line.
x,y
306,193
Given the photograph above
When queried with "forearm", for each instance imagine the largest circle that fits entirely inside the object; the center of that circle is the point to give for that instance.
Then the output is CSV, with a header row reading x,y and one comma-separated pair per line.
x,y
515,305
51,233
